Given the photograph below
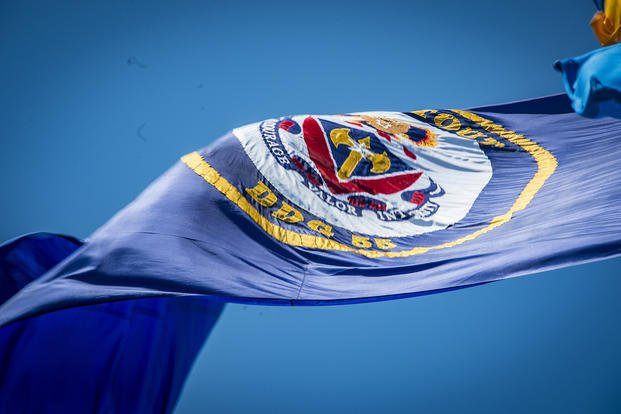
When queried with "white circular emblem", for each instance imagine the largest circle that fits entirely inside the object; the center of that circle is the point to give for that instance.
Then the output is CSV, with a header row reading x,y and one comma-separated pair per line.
x,y
381,174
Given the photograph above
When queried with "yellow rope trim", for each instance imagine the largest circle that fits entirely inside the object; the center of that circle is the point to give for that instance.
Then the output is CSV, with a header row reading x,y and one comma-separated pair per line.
x,y
546,163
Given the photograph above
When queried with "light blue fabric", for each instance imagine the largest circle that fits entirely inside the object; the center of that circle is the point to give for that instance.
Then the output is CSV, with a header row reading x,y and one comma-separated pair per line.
x,y
593,82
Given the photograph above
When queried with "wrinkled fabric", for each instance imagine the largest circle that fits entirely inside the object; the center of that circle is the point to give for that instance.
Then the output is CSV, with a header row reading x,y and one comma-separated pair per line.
x,y
119,357
593,82
542,195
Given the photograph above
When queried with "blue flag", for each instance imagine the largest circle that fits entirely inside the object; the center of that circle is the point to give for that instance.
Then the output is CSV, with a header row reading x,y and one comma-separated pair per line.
x,y
307,209
346,208
593,82
119,357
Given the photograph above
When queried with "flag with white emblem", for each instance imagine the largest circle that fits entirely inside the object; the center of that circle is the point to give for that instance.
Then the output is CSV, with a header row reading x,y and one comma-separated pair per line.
x,y
312,209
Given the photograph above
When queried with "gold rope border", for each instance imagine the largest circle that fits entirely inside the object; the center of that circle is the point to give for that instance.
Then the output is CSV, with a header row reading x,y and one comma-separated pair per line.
x,y
546,163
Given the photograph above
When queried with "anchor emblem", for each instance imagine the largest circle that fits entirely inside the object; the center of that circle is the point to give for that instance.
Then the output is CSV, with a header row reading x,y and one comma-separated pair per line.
x,y
358,150
341,180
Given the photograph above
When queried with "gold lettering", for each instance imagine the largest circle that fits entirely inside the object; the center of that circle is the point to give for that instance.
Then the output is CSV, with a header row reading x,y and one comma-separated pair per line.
x,y
384,244
441,121
360,241
262,194
288,214
321,227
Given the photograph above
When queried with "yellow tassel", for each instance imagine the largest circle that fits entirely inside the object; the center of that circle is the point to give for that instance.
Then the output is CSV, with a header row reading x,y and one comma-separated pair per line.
x,y
607,24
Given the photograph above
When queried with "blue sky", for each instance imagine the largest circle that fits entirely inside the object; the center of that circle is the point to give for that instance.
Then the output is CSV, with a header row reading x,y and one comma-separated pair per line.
x,y
99,99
